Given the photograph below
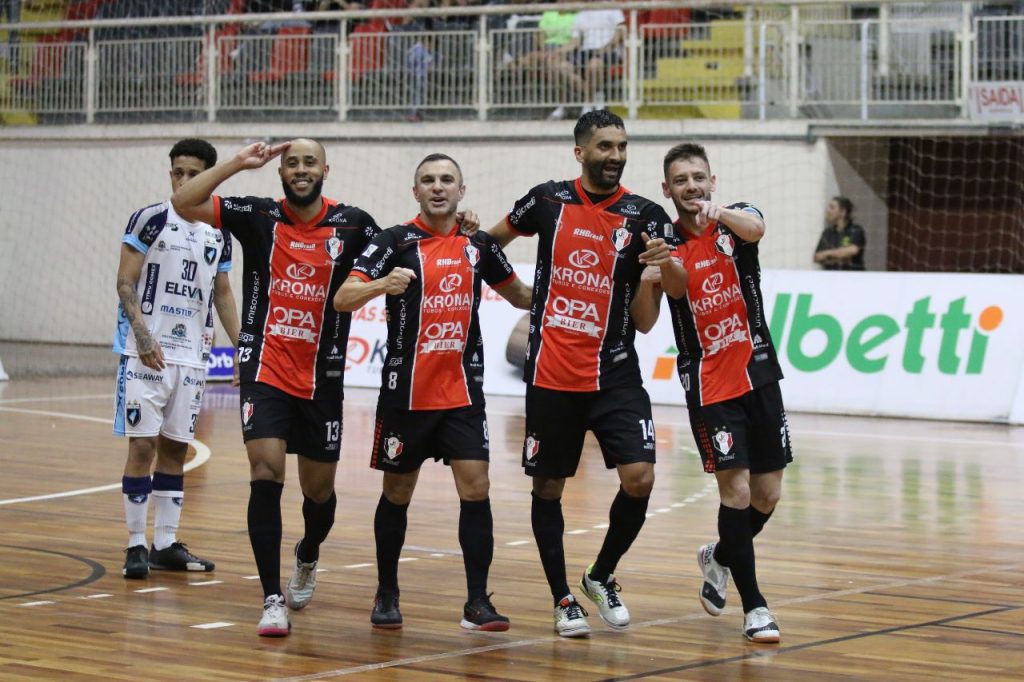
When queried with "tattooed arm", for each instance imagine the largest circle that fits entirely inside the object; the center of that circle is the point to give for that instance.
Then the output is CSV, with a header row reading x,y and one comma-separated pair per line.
x,y
128,272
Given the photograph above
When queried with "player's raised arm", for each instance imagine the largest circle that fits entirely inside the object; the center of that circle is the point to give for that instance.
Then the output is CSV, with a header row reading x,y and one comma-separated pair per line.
x,y
647,303
658,253
193,200
357,292
502,233
517,293
128,272
747,225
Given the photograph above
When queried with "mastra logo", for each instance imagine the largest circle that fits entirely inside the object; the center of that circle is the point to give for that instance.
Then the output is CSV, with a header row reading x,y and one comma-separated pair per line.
x,y
872,342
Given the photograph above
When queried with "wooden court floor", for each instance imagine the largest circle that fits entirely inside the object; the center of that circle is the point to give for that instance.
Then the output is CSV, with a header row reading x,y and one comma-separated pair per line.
x,y
896,554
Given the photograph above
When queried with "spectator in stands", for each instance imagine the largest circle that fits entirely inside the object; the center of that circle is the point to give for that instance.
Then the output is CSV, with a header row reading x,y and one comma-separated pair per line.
x,y
10,12
554,56
842,242
599,35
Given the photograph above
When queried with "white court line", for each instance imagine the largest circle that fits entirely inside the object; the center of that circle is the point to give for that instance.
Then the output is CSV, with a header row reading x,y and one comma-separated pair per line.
x,y
407,558
60,398
202,455
663,510
206,582
147,590
102,595
354,566
212,626
516,543
37,603
578,531
256,577
699,615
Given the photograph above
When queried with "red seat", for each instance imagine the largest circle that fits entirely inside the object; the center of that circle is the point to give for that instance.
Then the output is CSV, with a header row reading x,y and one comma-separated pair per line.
x,y
661,17
367,47
47,62
289,54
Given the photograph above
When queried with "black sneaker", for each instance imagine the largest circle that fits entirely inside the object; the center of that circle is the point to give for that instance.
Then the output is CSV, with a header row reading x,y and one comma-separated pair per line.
x,y
479,614
385,613
136,562
176,557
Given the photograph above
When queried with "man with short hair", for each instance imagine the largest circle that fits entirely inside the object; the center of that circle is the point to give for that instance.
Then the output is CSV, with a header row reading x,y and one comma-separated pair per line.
x,y
842,242
730,374
431,401
582,371
291,351
164,334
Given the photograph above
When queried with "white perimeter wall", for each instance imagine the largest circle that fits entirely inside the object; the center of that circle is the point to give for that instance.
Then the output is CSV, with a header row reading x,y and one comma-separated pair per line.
x,y
67,198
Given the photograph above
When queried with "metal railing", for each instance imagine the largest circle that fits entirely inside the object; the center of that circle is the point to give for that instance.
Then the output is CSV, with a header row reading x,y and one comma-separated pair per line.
x,y
752,67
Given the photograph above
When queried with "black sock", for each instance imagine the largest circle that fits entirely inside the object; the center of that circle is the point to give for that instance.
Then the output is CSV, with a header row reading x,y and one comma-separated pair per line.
x,y
548,526
265,532
625,519
476,537
758,519
319,518
389,525
738,553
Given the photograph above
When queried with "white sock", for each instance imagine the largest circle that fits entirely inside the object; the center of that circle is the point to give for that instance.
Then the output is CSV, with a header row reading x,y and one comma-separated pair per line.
x,y
135,514
166,515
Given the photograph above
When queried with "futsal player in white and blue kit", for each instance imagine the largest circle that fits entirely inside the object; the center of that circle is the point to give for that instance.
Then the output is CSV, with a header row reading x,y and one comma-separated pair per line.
x,y
171,275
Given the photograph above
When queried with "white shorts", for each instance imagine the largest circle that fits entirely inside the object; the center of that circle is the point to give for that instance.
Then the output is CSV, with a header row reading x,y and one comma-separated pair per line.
x,y
151,402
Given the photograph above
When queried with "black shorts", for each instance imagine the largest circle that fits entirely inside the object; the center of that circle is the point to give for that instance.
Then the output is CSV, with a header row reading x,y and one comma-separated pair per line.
x,y
748,432
404,439
310,427
557,421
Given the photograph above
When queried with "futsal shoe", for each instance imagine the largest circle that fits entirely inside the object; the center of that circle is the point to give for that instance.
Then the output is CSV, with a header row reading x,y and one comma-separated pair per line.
x,y
176,557
274,622
571,618
716,579
136,562
302,583
606,596
385,614
759,626
480,614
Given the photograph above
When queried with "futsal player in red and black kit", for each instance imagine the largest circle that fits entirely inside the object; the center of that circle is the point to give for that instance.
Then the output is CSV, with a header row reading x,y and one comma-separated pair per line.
x,y
291,350
431,403
730,374
582,372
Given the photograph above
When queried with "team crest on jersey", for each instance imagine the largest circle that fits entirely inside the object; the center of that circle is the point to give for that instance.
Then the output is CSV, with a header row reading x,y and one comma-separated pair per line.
x,y
393,447
133,412
334,247
723,442
621,237
531,447
210,254
247,410
725,244
472,254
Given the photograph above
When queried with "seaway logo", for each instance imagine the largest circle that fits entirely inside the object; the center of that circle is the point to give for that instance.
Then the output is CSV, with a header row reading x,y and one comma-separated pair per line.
x,y
872,342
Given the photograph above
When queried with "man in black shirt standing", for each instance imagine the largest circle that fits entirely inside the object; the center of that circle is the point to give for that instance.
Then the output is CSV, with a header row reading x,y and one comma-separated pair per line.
x,y
841,246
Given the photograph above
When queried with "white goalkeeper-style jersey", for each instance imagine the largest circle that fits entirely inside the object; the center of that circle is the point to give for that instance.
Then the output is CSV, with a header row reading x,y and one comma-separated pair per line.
x,y
175,289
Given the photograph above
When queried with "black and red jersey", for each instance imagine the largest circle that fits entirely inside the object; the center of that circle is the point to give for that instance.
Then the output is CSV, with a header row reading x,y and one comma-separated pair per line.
x,y
725,349
588,270
435,357
292,338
